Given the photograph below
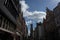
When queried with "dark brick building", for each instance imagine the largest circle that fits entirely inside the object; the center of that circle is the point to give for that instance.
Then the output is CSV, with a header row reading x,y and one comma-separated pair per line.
x,y
52,23
56,11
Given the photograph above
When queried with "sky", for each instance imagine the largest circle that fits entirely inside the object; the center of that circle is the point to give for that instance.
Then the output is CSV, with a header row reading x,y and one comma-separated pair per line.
x,y
35,10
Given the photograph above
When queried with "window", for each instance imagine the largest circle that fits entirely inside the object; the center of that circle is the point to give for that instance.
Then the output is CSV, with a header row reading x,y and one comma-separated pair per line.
x,y
4,23
0,20
11,26
5,2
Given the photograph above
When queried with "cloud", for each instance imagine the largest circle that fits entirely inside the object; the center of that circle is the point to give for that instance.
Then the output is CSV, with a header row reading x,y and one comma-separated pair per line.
x,y
29,33
35,15
28,22
30,17
24,6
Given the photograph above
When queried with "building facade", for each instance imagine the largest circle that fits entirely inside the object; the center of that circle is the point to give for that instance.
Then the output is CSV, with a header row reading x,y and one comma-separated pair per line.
x,y
39,32
52,23
23,27
50,20
31,32
56,11
10,28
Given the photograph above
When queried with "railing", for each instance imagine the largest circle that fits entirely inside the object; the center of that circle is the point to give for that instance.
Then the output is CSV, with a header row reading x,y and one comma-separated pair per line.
x,y
5,23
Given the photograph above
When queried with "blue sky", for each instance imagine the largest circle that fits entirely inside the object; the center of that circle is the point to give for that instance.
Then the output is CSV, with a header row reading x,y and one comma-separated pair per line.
x,y
41,5
35,10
